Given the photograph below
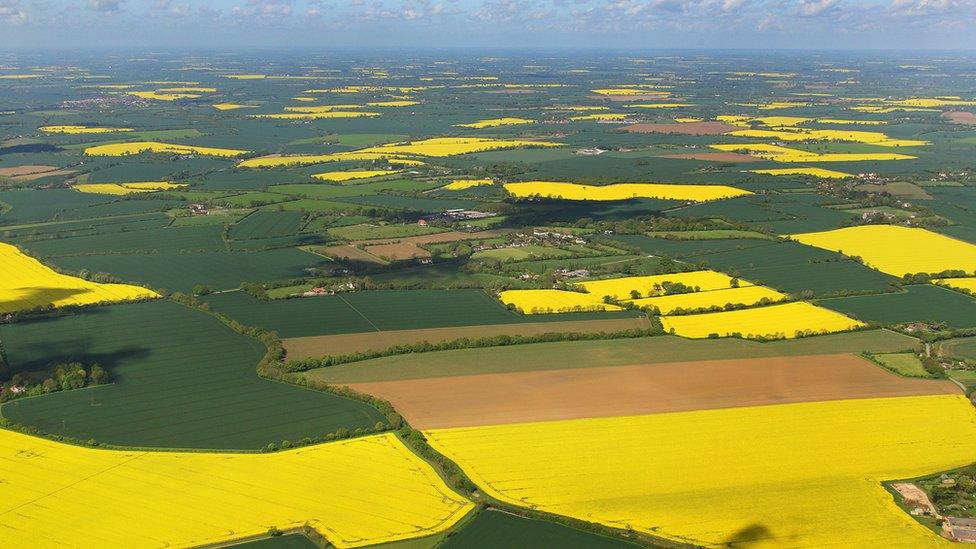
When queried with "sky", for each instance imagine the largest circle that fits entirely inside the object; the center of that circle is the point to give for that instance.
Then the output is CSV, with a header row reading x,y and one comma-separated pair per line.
x,y
575,24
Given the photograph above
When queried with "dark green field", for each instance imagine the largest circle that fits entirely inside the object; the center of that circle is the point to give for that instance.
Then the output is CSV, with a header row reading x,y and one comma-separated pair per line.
x,y
181,380
918,303
178,271
491,529
292,541
377,311
267,224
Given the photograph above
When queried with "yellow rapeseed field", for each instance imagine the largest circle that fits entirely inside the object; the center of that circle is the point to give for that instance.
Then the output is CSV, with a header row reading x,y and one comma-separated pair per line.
x,y
623,191
127,188
399,153
352,174
780,120
854,136
659,105
302,159
163,96
188,89
968,284
897,250
495,122
317,115
554,301
815,172
397,103
793,475
630,91
779,153
861,122
320,108
600,117
174,499
136,147
928,102
26,283
745,295
232,106
461,184
648,286
81,129
578,108
451,146
774,321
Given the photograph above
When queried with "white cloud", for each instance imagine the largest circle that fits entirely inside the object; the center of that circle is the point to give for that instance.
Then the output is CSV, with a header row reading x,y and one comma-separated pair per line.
x,y
813,8
10,13
107,6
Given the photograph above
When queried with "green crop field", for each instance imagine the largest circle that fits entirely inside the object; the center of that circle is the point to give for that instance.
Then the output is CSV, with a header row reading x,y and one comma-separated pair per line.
x,y
354,312
291,541
906,364
181,380
267,224
179,271
202,238
599,353
918,303
491,529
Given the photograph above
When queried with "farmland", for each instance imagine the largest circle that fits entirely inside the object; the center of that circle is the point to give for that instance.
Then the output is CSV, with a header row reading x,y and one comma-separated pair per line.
x,y
859,443
924,303
613,391
591,354
898,250
776,321
371,311
27,284
166,357
475,298
214,498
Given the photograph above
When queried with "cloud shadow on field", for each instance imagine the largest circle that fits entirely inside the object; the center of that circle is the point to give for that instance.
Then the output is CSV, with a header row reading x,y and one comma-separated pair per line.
x,y
42,294
42,355
750,535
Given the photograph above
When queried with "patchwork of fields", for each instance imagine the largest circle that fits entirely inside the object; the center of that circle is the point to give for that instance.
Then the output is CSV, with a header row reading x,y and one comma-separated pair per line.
x,y
441,299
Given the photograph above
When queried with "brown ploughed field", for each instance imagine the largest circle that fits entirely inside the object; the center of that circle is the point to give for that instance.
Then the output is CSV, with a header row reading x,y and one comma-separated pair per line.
x,y
490,399
687,128
26,170
960,117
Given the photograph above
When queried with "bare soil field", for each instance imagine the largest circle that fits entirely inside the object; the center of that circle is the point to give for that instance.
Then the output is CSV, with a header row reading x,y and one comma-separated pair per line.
x,y
25,170
491,399
316,346
350,253
960,117
734,158
689,128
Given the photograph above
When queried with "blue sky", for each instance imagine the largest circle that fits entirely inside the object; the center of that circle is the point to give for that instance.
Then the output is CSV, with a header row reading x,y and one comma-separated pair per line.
x,y
228,24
